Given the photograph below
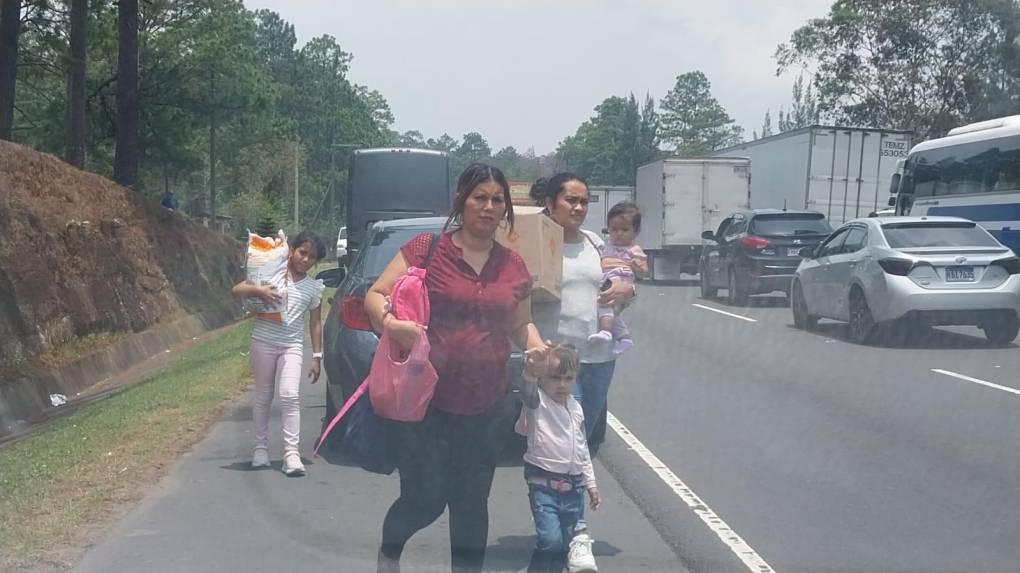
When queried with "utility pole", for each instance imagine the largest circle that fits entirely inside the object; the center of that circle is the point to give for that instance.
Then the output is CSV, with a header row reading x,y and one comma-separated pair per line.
x,y
297,228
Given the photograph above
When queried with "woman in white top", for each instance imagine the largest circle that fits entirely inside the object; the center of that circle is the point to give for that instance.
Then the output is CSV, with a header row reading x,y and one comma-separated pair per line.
x,y
574,318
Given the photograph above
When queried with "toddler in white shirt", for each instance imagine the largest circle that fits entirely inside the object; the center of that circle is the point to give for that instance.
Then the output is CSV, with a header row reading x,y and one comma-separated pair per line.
x,y
557,467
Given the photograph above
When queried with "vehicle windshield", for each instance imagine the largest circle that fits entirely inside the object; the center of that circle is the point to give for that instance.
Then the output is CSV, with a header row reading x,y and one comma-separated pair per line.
x,y
789,225
665,333
918,235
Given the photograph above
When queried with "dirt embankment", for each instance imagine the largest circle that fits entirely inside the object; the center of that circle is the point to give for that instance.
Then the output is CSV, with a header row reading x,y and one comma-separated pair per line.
x,y
80,254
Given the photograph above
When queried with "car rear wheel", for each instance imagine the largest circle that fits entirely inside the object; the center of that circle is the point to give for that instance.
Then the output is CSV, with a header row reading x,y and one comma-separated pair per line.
x,y
1002,331
735,293
707,291
862,324
801,317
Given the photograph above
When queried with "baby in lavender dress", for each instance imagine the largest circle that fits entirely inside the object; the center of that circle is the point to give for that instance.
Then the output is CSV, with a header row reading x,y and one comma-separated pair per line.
x,y
622,260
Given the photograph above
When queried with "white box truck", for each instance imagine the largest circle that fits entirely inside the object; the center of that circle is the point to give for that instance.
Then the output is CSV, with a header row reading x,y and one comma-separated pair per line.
x,y
601,199
842,172
681,198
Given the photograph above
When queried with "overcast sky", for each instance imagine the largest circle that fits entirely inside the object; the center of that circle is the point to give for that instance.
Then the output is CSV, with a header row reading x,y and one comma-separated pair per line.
x,y
527,73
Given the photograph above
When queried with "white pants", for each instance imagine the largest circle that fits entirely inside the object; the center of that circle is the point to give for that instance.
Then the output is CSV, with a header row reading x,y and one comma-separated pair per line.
x,y
276,367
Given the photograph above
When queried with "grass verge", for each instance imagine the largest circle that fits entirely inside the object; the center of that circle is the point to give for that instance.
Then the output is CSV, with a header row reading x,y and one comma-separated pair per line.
x,y
59,486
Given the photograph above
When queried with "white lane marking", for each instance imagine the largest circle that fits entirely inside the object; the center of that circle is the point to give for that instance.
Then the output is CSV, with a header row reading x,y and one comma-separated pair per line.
x,y
730,314
737,545
976,381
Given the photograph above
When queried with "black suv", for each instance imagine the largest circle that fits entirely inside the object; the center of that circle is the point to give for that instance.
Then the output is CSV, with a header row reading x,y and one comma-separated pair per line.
x,y
756,251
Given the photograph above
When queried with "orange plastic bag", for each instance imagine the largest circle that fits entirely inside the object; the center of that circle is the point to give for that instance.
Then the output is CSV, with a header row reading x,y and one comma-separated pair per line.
x,y
266,265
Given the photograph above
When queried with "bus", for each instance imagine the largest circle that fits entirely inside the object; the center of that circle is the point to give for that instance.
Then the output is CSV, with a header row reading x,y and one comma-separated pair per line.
x,y
973,172
395,183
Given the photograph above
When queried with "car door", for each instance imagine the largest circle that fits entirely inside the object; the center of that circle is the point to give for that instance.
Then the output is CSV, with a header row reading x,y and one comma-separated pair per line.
x,y
842,266
814,276
712,255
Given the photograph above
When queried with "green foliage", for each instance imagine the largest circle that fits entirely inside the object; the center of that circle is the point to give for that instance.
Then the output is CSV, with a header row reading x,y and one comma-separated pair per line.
x,y
608,148
924,65
266,226
766,125
692,120
209,68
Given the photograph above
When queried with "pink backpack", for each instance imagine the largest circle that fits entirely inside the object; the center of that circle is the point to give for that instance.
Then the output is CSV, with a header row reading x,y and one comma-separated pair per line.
x,y
400,387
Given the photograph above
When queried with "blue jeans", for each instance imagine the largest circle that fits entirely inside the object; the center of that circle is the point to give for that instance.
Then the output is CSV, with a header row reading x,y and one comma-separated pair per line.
x,y
556,514
592,391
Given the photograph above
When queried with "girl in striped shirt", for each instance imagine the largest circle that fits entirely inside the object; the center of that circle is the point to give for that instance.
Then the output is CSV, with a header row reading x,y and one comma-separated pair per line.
x,y
277,350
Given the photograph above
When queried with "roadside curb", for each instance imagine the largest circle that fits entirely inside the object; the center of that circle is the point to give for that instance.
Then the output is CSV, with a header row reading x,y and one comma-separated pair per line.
x,y
26,401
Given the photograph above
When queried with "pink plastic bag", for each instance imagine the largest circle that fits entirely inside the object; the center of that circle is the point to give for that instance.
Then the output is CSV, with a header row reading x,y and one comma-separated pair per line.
x,y
402,389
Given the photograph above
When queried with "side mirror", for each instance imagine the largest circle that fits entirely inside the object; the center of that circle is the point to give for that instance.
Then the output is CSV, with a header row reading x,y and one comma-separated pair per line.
x,y
332,277
807,253
892,201
894,184
708,235
605,231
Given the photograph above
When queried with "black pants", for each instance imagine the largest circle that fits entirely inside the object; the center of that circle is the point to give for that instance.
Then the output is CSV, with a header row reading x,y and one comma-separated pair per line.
x,y
444,461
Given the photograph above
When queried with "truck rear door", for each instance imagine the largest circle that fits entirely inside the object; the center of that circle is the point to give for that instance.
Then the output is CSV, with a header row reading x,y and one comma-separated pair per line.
x,y
683,191
727,187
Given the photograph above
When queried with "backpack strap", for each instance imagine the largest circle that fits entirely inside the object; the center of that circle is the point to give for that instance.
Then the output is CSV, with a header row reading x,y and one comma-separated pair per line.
x,y
432,250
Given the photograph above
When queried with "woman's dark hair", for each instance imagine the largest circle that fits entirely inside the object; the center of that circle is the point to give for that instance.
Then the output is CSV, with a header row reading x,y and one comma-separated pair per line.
x,y
544,190
537,191
473,176
303,237
628,209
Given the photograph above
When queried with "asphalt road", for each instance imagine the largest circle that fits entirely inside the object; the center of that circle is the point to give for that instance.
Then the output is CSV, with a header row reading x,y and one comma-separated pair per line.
x,y
823,456
819,455
213,514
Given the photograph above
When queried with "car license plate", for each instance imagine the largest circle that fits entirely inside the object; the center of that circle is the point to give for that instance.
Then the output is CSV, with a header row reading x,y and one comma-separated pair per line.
x,y
959,274
794,252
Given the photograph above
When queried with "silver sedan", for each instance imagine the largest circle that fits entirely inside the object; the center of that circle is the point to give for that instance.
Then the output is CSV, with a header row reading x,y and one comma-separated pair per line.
x,y
931,270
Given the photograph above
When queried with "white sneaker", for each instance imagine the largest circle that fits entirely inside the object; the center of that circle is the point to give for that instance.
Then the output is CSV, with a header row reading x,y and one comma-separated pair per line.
x,y
260,458
579,558
292,465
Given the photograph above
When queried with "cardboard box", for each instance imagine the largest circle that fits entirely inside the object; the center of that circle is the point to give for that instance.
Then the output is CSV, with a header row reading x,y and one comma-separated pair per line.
x,y
539,241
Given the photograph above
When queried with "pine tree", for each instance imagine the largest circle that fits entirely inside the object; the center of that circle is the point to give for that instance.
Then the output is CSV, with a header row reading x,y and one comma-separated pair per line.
x,y
766,124
266,226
